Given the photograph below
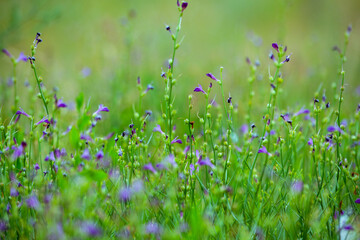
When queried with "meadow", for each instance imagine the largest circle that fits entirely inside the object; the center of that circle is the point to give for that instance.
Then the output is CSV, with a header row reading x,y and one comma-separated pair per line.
x,y
179,120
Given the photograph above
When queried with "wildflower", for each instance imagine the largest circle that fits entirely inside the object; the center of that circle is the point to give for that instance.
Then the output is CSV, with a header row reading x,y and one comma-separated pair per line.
x,y
357,201
334,128
152,228
149,167
137,186
171,159
33,202
184,6
57,153
86,71
21,57
286,118
176,140
199,89
348,30
192,169
210,75
302,111
275,46
86,154
158,129
50,157
264,150
14,192
310,142
149,87
125,194
99,155
19,151
244,128
43,120
19,113
101,108
7,53
287,59
91,229
206,162
85,137
3,226
36,166
271,56
297,186
348,227
59,103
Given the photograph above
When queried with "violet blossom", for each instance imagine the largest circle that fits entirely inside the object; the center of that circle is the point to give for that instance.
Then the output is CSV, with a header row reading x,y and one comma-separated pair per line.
x,y
199,89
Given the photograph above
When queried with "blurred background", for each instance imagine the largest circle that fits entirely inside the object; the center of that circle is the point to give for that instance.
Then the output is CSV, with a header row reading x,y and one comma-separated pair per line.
x,y
101,47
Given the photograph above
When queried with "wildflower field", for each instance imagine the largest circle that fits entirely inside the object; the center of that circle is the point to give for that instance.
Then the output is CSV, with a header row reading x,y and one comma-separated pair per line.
x,y
180,119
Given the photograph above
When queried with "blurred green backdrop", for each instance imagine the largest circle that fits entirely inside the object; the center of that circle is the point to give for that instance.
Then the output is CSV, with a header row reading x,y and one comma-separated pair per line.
x,y
120,40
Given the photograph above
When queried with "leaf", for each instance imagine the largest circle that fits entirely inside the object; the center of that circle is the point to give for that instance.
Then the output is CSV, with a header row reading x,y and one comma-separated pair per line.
x,y
79,101
94,175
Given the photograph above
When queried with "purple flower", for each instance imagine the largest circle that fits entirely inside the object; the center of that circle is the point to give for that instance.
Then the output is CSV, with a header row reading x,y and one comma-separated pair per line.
x,y
61,104
101,108
302,111
91,229
7,53
348,227
176,140
275,46
86,71
125,194
206,162
152,228
192,169
149,167
36,166
210,75
99,155
3,225
264,150
33,202
22,57
357,201
22,112
85,137
57,153
171,159
184,6
244,128
43,120
158,129
199,89
50,157
137,186
63,152
287,59
334,128
178,3
298,186
149,87
14,192
271,56
86,154
310,142
19,151
186,150
161,166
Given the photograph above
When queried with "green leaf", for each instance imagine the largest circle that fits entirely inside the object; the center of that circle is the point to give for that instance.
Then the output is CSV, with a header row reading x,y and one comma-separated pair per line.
x,y
94,175
79,101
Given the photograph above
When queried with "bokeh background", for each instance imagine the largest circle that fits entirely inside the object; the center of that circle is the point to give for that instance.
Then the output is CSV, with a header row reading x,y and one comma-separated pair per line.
x,y
101,47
